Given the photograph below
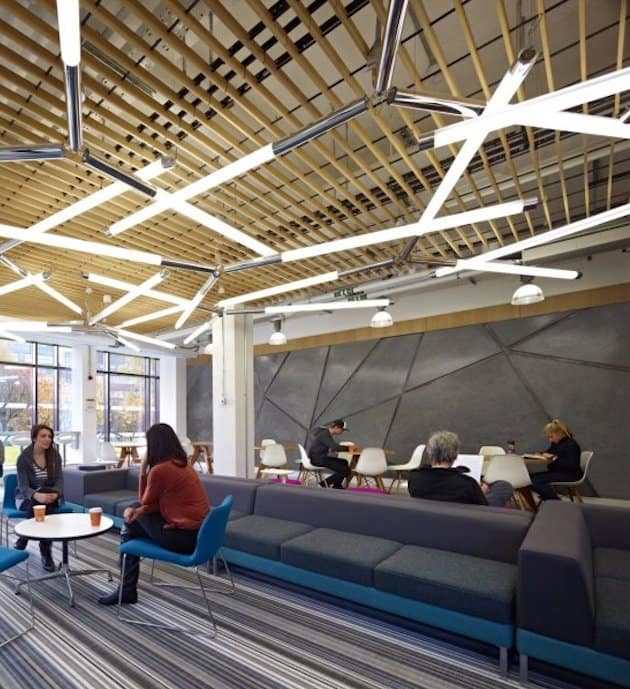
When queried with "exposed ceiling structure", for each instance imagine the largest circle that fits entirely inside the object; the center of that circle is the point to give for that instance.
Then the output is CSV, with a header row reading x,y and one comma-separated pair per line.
x,y
207,83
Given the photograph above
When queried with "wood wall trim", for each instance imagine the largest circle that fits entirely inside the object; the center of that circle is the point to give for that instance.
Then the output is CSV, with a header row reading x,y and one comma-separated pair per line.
x,y
571,301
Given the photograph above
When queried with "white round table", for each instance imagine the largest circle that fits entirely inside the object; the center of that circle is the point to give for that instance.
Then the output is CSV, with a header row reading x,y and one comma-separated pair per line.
x,y
64,528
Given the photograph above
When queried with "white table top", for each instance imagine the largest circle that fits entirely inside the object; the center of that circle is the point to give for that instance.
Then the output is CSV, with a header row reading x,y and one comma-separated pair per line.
x,y
129,443
63,527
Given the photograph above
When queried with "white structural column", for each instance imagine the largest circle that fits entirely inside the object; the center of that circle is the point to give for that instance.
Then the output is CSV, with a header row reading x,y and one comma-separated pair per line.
x,y
84,402
233,395
173,394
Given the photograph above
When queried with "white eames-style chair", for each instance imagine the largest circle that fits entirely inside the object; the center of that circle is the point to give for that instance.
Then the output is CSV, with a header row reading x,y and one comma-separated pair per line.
x,y
372,464
491,450
511,468
107,455
307,469
401,469
573,487
273,460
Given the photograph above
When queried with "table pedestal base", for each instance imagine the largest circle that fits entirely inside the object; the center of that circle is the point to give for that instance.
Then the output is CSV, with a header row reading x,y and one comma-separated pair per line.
x,y
67,573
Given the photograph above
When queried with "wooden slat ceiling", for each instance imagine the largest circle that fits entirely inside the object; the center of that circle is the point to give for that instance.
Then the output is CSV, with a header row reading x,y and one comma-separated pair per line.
x,y
208,82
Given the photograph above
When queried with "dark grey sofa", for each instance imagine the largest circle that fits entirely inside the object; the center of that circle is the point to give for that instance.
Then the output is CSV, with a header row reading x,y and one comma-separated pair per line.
x,y
574,590
450,566
115,489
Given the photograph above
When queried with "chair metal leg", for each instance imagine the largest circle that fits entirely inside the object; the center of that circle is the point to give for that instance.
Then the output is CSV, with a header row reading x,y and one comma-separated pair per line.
x,y
178,628
523,672
226,591
503,661
31,622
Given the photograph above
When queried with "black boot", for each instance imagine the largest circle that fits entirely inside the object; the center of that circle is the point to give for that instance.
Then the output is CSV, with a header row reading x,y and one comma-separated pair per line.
x,y
129,584
45,549
21,543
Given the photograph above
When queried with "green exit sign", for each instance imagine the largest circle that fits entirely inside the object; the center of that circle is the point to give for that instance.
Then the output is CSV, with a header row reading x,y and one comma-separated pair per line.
x,y
345,292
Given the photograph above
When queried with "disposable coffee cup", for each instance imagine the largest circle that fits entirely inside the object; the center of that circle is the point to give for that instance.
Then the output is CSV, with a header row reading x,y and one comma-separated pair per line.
x,y
39,512
95,515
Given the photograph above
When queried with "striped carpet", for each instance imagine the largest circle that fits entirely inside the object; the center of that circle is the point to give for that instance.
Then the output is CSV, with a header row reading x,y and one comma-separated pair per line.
x,y
268,638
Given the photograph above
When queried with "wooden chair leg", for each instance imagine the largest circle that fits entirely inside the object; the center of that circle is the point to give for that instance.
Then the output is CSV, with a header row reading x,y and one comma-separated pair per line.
x,y
379,482
259,472
578,495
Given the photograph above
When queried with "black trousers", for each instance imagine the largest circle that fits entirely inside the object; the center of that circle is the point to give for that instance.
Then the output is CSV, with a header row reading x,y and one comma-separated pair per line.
x,y
339,467
152,526
541,481
27,506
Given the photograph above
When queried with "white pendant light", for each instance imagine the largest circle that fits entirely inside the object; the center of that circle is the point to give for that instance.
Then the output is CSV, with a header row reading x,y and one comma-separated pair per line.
x,y
278,338
381,319
528,293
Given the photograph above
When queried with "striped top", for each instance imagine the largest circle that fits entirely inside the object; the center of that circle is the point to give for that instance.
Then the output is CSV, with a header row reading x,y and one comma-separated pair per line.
x,y
41,475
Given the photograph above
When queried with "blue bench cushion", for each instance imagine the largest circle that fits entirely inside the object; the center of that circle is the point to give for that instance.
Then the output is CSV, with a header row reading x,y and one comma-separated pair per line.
x,y
612,616
340,554
472,585
612,562
108,500
262,536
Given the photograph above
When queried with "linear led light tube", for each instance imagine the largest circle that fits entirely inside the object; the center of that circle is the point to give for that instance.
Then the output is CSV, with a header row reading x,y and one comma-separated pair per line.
x,y
127,286
144,338
63,242
127,343
34,326
117,174
327,306
207,325
196,300
446,222
391,39
108,193
52,292
511,269
279,289
506,89
551,235
130,296
592,125
27,281
10,336
11,154
69,23
198,215
241,166
150,316
562,99
411,230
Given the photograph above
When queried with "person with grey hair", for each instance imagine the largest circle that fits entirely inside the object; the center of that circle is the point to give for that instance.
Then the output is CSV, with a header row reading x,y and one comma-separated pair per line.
x,y
441,481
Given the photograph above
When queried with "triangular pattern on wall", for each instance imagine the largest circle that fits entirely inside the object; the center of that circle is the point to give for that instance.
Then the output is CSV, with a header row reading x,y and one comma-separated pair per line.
x,y
380,377
518,329
295,390
342,361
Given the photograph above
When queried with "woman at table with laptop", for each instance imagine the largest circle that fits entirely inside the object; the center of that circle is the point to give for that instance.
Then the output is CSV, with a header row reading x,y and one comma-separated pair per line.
x,y
172,505
39,482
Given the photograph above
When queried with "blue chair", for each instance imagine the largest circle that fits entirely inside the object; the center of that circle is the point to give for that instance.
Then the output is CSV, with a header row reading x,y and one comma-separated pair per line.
x,y
9,558
10,510
209,544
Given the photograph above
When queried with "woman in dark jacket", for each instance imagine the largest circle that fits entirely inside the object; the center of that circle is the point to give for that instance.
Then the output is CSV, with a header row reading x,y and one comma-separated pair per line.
x,y
563,457
39,482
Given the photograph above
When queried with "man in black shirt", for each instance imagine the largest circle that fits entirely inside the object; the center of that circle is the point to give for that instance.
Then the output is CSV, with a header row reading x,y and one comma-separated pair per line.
x,y
320,447
441,481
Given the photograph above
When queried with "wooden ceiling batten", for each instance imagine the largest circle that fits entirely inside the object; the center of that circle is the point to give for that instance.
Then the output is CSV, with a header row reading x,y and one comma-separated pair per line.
x,y
159,79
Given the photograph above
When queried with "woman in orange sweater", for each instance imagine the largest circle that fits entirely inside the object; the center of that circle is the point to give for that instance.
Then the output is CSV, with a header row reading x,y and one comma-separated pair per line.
x,y
171,508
